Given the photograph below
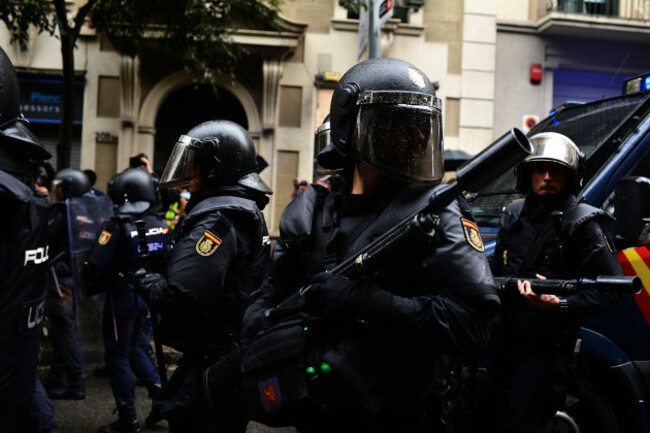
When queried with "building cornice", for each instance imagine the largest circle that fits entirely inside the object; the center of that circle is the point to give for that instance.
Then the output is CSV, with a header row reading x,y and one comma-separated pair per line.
x,y
581,25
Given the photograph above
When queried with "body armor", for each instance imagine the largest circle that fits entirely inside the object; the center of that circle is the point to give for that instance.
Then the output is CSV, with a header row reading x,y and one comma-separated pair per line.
x,y
24,252
211,321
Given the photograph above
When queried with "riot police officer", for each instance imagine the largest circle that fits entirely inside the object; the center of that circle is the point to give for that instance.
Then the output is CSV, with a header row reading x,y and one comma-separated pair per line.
x,y
24,252
115,258
61,298
220,256
373,363
547,235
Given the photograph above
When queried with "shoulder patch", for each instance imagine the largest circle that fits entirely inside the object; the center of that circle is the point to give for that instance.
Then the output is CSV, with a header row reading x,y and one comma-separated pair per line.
x,y
472,235
104,237
207,244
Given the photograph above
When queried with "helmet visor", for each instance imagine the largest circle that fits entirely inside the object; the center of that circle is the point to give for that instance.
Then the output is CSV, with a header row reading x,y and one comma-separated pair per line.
x,y
57,192
181,163
401,135
321,140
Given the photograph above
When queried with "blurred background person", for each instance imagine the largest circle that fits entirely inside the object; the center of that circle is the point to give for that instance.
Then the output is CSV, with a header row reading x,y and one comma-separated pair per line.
x,y
92,177
65,378
114,259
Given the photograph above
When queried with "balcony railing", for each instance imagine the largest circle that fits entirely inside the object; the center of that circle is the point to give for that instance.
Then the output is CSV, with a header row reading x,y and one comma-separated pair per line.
x,y
632,9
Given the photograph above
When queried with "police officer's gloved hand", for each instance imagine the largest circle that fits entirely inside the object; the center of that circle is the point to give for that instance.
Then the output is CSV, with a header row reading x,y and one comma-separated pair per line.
x,y
261,302
150,286
336,295
253,321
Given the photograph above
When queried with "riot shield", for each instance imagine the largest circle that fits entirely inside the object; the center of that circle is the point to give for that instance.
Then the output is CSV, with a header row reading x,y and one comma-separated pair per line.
x,y
85,218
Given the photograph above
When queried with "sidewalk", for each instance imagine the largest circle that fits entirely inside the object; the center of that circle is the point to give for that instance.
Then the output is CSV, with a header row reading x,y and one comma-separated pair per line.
x,y
86,416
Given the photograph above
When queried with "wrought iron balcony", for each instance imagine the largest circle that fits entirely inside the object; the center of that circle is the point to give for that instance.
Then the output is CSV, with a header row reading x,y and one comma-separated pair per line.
x,y
630,9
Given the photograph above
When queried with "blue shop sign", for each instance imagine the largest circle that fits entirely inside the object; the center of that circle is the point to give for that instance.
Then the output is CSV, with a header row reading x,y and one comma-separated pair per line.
x,y
41,98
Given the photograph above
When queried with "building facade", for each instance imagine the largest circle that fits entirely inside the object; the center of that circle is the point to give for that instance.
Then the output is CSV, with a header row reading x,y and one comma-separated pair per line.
x,y
478,51
583,50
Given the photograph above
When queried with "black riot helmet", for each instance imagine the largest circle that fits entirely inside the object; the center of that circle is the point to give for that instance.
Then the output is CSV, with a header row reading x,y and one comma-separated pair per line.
x,y
69,183
15,137
134,191
223,151
384,112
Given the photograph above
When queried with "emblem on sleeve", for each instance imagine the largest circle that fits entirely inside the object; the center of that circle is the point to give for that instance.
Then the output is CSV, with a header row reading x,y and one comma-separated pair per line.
x,y
472,235
104,238
270,395
207,244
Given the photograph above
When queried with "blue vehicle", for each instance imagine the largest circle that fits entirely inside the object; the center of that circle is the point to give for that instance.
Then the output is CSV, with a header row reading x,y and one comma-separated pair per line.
x,y
614,363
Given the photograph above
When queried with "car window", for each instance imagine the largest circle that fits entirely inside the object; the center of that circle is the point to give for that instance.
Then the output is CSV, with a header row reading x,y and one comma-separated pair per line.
x,y
588,125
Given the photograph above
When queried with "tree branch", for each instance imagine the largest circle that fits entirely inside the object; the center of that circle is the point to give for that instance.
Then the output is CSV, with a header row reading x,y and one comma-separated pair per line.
x,y
82,13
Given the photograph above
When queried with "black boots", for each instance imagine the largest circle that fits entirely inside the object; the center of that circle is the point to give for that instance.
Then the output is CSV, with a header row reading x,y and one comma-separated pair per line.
x,y
56,378
74,390
155,415
126,423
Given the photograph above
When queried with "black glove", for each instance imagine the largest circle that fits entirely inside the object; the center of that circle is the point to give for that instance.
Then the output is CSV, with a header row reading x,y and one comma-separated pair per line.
x,y
336,295
150,286
253,321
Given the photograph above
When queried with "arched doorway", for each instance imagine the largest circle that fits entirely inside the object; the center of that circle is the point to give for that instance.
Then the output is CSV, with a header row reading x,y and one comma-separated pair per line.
x,y
187,107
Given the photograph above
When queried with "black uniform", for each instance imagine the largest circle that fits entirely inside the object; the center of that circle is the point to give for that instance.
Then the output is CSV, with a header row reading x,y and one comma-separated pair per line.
x,y
540,344
60,309
382,368
114,258
24,253
219,256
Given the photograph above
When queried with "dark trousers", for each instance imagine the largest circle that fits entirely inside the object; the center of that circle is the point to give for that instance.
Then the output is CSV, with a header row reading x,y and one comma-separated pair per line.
x,y
122,328
535,380
184,407
41,413
66,352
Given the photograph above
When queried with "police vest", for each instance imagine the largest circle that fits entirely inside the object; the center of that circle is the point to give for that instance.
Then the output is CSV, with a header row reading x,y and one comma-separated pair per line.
x,y
360,367
213,323
156,233
553,257
22,287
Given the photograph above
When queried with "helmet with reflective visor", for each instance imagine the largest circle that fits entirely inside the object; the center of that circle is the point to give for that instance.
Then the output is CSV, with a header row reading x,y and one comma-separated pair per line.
x,y
384,112
223,152
554,148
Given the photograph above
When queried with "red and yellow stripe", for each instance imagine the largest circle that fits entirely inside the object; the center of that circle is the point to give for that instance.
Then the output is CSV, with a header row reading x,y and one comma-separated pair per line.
x,y
212,237
469,224
636,261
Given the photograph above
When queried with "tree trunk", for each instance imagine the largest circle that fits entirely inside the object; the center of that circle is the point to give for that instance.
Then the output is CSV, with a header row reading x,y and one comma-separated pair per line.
x,y
66,131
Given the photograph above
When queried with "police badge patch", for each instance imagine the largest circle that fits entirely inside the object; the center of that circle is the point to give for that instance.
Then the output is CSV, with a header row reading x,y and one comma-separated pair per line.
x,y
472,235
207,244
104,237
416,78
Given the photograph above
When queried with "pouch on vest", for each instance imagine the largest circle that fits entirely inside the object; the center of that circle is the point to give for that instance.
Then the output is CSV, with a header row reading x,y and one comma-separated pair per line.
x,y
274,374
